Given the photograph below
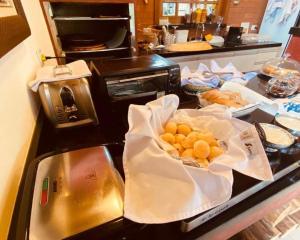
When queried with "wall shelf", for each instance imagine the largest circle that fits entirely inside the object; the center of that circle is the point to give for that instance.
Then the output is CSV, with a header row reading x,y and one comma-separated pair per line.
x,y
91,18
93,51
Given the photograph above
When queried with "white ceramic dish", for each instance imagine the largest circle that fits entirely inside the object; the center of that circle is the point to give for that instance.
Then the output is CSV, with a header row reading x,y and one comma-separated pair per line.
x,y
276,137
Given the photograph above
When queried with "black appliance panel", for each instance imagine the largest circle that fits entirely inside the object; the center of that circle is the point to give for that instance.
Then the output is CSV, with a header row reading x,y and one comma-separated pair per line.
x,y
89,9
234,36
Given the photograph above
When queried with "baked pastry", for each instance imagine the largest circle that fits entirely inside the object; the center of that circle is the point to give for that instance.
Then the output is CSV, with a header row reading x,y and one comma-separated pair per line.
x,y
227,98
183,129
168,137
171,127
278,71
201,149
189,46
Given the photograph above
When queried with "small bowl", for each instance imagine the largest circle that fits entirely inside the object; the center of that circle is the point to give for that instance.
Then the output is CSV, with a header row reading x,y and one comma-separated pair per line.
x,y
260,127
190,89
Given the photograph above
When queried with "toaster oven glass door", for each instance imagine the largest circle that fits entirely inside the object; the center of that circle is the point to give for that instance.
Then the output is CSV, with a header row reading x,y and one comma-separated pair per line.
x,y
137,86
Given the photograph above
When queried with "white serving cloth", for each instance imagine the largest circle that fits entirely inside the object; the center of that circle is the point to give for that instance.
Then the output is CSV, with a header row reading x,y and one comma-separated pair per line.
x,y
78,69
160,188
197,78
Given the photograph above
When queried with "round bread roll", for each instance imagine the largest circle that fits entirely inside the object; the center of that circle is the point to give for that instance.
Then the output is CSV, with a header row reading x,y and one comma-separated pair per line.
x,y
215,152
187,143
188,153
179,138
178,147
194,136
168,137
214,143
183,129
201,149
171,127
208,137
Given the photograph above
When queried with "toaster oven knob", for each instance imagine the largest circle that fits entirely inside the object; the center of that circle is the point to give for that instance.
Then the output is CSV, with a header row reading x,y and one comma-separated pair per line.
x,y
174,75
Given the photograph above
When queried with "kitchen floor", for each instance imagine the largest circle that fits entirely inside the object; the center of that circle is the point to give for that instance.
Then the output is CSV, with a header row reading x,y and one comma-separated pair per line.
x,y
294,235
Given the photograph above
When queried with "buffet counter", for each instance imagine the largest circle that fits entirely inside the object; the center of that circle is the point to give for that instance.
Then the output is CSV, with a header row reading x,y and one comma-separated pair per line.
x,y
215,49
245,57
48,141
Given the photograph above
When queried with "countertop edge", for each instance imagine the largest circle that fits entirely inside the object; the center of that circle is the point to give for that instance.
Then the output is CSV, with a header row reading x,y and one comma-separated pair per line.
x,y
295,31
254,214
166,54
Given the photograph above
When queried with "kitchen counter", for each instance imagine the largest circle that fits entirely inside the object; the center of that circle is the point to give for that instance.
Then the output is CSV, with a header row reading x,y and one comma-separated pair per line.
x,y
216,49
221,226
295,31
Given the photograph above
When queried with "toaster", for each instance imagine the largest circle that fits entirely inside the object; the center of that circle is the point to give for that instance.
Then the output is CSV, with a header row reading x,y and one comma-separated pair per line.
x,y
68,103
75,194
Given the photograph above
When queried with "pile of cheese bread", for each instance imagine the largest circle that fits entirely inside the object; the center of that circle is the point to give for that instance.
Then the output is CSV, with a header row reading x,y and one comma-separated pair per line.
x,y
200,146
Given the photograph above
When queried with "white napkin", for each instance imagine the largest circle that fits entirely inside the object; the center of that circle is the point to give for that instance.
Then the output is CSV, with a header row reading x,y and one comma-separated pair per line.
x,y
160,188
198,79
228,68
289,106
78,69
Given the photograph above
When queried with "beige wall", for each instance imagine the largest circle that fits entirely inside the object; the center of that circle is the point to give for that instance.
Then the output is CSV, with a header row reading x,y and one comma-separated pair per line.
x,y
18,108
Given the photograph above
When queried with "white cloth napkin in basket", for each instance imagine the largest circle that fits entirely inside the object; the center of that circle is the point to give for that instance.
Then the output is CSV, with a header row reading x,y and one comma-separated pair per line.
x,y
160,188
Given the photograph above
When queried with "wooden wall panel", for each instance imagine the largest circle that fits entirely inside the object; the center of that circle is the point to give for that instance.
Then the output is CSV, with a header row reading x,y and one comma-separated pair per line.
x,y
246,11
294,48
144,15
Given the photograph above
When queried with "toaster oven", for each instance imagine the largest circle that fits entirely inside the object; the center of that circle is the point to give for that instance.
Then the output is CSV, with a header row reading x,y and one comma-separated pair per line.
x,y
117,83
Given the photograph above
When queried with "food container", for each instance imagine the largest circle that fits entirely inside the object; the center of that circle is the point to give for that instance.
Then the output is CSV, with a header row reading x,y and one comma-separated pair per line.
x,y
150,36
283,85
193,90
254,99
273,136
281,67
289,123
255,38
181,36
153,176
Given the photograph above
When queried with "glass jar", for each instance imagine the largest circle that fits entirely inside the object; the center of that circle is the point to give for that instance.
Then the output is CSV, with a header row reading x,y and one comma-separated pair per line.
x,y
283,85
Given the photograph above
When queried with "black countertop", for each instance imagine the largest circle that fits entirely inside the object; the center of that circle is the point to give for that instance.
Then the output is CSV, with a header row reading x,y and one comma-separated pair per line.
x,y
295,31
216,49
53,141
